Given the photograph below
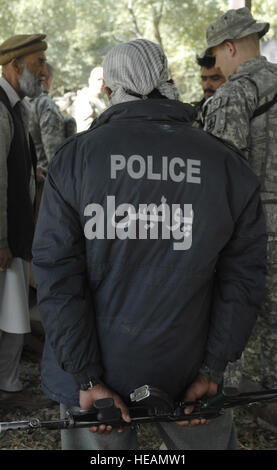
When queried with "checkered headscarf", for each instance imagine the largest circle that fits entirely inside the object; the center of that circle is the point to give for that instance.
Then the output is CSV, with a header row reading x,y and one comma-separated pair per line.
x,y
134,69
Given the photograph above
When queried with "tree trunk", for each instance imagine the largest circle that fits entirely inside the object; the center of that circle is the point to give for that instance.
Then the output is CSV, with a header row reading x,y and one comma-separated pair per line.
x,y
136,29
157,16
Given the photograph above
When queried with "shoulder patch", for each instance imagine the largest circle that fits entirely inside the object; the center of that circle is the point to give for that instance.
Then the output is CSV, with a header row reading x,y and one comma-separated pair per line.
x,y
215,117
210,123
218,103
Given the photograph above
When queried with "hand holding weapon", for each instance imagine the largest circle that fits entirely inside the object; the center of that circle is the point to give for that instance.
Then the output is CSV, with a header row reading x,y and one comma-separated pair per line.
x,y
148,405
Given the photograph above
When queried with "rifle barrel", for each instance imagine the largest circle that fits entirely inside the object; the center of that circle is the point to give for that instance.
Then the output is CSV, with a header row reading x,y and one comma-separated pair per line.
x,y
33,424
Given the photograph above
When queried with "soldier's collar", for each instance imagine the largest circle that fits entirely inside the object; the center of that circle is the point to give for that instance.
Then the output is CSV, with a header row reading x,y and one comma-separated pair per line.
x,y
251,65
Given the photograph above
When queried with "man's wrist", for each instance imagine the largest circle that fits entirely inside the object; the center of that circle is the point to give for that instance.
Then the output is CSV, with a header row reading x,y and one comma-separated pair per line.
x,y
214,375
90,384
91,372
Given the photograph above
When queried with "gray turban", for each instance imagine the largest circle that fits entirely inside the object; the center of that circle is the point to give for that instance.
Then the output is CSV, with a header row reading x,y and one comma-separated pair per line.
x,y
134,69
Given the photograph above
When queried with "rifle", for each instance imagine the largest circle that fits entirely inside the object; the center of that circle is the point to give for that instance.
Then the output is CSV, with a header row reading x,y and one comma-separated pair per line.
x,y
147,405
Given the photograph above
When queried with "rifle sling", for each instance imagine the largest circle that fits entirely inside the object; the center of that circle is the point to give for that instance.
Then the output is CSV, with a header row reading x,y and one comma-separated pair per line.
x,y
265,107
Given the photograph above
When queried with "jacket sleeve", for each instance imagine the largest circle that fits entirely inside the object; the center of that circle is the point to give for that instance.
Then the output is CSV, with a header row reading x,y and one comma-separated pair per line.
x,y
238,288
228,114
64,298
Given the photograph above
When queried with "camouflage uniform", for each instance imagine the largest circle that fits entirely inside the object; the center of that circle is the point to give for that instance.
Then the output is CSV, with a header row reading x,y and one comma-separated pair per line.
x,y
231,116
48,127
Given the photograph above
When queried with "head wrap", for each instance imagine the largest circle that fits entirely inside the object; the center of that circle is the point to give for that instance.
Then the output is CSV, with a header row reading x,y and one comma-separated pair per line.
x,y
134,69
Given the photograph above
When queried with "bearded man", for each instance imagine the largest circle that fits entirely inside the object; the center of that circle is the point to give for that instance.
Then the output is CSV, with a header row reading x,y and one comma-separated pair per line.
x,y
23,60
211,79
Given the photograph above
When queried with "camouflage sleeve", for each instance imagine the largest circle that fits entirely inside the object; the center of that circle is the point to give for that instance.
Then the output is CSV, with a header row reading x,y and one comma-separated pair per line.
x,y
52,125
228,115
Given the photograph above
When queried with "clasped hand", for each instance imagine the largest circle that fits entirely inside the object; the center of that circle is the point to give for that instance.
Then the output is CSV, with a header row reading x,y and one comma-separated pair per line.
x,y
200,387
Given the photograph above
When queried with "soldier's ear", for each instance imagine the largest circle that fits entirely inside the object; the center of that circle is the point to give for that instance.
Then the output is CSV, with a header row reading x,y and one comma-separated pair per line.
x,y
230,47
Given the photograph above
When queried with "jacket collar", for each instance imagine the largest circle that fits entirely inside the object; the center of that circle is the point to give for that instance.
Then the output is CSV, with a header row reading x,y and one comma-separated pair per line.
x,y
250,66
10,92
150,109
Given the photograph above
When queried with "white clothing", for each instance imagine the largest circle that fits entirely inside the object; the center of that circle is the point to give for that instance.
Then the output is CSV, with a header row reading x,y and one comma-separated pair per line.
x,y
14,298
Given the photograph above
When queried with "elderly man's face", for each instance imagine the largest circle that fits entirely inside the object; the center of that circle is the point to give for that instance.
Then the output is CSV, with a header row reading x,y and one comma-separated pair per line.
x,y
33,73
36,64
211,80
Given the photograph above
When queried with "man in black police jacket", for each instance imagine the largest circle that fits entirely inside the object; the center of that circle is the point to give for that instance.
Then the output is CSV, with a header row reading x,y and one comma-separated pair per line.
x,y
149,256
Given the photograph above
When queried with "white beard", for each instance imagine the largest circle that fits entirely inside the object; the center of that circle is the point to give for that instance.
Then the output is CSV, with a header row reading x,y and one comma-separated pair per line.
x,y
28,84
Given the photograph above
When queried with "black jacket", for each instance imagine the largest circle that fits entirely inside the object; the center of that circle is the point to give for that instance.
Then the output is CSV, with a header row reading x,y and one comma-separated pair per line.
x,y
149,253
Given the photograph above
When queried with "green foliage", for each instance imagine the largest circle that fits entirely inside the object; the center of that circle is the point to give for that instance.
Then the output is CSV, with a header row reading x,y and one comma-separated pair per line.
x,y
266,11
80,32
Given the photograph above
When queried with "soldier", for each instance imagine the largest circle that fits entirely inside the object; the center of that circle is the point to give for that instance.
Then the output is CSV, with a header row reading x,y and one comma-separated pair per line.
x,y
244,113
48,126
211,79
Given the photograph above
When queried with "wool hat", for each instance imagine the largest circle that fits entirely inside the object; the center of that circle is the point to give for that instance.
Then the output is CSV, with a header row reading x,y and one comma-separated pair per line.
x,y
234,24
20,45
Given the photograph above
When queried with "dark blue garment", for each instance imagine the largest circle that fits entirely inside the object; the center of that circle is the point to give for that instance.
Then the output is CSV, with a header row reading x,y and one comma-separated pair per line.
x,y
137,310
